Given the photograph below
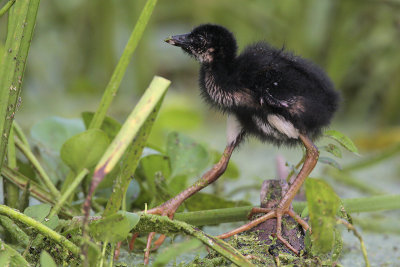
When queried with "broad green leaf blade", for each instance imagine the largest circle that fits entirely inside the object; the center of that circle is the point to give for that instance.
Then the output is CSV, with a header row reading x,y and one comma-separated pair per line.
x,y
52,132
85,149
333,149
114,228
175,250
46,260
48,136
120,69
51,222
110,126
187,157
149,166
38,212
330,161
342,140
323,204
133,134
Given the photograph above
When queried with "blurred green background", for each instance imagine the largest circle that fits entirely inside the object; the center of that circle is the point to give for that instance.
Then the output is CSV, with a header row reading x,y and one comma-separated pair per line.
x,y
77,44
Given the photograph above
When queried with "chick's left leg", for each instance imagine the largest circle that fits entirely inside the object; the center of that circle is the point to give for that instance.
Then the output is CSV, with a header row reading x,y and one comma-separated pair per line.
x,y
284,205
169,207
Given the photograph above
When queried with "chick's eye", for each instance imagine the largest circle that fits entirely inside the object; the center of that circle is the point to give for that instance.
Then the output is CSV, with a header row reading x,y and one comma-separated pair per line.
x,y
202,39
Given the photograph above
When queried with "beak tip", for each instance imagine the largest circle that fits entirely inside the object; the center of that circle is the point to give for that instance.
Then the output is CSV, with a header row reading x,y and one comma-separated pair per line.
x,y
177,40
170,40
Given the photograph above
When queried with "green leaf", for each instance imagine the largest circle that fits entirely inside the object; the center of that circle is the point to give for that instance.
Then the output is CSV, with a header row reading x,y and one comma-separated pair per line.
x,y
330,161
85,149
333,149
38,212
323,204
46,260
110,126
187,157
52,132
204,201
342,140
175,250
114,228
48,136
150,165
51,222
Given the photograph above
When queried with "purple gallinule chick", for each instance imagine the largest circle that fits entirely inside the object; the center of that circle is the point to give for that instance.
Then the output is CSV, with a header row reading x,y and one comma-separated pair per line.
x,y
268,93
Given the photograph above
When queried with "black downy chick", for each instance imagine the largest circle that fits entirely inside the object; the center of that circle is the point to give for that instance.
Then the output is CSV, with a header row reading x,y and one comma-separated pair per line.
x,y
268,93
274,94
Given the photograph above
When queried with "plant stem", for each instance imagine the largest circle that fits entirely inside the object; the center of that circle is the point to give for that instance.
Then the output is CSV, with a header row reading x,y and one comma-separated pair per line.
x,y
21,22
162,224
35,190
354,230
120,69
20,134
210,217
39,227
345,178
14,231
76,182
6,7
11,191
44,177
385,154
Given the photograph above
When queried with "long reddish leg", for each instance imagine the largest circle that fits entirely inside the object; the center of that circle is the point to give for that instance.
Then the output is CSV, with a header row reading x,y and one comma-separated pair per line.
x,y
169,207
310,161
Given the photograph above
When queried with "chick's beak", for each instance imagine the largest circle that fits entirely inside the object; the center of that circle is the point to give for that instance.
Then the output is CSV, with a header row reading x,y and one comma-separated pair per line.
x,y
178,40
